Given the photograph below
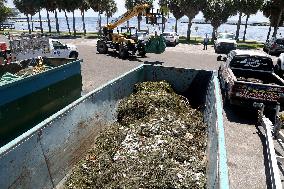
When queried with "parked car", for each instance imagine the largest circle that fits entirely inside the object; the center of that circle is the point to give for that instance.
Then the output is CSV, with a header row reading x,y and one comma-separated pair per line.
x,y
142,36
274,46
225,42
248,76
172,38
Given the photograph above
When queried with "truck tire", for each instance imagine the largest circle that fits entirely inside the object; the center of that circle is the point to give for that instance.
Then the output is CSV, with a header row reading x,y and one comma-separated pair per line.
x,y
102,47
264,49
142,53
73,54
277,68
123,52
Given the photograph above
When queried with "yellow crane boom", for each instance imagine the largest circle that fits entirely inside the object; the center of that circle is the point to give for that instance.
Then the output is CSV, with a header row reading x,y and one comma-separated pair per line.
x,y
143,9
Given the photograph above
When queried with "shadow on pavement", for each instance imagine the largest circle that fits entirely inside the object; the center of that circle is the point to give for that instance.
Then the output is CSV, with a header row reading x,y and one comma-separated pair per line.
x,y
130,58
154,62
246,116
65,37
265,155
241,115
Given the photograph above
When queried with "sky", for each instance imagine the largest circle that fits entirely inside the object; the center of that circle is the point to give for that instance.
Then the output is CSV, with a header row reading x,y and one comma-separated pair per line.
x,y
121,9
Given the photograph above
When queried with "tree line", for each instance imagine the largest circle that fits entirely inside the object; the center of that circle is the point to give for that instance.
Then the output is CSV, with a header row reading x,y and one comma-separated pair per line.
x,y
216,12
31,7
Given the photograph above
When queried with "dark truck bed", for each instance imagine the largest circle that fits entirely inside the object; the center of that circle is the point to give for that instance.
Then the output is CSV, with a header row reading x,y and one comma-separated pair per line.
x,y
257,86
257,77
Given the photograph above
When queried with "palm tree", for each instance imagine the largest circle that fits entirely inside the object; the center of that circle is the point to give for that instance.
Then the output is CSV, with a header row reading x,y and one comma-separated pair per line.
x,y
71,7
191,8
27,7
240,8
84,6
62,4
174,8
218,12
97,6
38,5
129,4
274,11
164,11
110,9
251,7
49,5
5,12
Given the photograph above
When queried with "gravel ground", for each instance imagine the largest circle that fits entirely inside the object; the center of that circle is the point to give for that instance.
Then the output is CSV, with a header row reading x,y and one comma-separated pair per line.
x,y
244,141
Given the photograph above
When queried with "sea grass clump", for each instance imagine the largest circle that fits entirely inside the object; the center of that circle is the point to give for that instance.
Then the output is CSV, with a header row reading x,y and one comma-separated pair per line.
x,y
159,141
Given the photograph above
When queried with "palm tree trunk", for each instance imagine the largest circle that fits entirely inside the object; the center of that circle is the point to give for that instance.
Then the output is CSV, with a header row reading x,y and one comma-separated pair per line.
x,y
48,21
189,29
139,20
56,22
107,20
176,26
246,26
99,22
32,23
214,33
165,21
239,26
268,34
74,22
83,20
40,22
29,26
67,22
278,23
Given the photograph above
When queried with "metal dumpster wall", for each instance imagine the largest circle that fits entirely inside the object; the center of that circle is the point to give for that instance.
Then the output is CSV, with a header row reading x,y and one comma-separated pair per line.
x,y
15,90
45,154
217,170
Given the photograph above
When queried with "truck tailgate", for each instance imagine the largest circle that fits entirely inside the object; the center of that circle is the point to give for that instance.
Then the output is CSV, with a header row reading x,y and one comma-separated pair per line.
x,y
259,92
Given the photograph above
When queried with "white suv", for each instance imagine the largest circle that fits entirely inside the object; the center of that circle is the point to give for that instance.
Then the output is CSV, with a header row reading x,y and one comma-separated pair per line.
x,y
142,36
225,42
172,38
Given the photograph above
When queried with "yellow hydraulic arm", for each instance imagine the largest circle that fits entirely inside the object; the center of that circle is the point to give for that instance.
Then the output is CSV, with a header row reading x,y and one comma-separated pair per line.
x,y
139,9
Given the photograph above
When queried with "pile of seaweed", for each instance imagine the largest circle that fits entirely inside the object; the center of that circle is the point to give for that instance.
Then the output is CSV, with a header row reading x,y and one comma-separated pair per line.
x,y
159,141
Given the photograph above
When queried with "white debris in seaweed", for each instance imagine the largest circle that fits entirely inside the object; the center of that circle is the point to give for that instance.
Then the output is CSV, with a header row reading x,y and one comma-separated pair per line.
x,y
159,141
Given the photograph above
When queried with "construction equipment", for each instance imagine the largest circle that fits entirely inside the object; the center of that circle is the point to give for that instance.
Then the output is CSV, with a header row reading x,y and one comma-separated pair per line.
x,y
123,43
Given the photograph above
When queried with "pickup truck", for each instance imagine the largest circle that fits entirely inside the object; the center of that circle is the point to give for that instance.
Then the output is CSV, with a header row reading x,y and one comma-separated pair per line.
x,y
224,43
28,46
247,77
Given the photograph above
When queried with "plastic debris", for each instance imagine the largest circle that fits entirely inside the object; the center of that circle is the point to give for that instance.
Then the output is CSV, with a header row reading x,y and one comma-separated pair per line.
x,y
8,78
156,44
159,141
